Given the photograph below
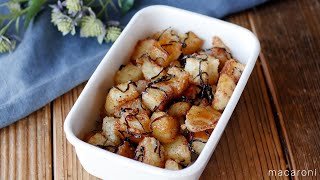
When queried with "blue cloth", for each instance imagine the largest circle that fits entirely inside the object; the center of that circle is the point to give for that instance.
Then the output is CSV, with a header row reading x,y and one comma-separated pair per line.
x,y
46,64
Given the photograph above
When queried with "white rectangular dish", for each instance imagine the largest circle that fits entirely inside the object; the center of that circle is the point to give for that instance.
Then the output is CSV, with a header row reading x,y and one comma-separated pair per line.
x,y
82,118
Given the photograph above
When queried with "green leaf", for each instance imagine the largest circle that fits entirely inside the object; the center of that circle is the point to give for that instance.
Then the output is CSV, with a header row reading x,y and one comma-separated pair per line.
x,y
17,24
34,8
125,5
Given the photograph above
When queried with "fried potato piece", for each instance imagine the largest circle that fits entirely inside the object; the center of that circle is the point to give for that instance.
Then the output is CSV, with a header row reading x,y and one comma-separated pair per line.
x,y
151,48
233,69
180,80
127,73
141,85
164,127
134,122
126,150
179,109
201,118
150,69
178,150
157,96
202,68
198,141
191,92
150,151
170,42
135,104
229,76
191,43
172,165
220,51
225,88
120,94
97,139
108,129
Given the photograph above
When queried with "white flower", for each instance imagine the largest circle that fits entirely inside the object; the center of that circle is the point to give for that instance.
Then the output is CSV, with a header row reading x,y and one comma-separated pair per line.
x,y
92,27
64,23
112,34
74,5
6,45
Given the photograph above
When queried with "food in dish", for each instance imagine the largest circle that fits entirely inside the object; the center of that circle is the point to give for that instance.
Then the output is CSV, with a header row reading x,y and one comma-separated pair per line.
x,y
167,100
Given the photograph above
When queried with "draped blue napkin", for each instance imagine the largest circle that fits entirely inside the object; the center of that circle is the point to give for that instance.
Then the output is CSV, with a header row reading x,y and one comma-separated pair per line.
x,y
46,64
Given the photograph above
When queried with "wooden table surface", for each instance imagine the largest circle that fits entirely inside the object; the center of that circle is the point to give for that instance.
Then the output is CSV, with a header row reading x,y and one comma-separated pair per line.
x,y
275,126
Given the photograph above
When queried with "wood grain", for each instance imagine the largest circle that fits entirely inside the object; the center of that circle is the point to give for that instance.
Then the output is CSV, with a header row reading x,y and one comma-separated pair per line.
x,y
26,147
250,145
66,163
290,58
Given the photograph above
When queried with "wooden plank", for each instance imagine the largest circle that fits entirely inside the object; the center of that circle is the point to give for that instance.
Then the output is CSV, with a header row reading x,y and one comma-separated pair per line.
x,y
26,147
250,145
66,163
289,32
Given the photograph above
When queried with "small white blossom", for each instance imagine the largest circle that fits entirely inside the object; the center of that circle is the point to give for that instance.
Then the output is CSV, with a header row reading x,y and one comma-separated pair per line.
x,y
92,27
112,34
6,45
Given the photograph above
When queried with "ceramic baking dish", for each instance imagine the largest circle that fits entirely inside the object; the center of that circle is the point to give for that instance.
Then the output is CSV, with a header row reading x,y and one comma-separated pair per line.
x,y
82,117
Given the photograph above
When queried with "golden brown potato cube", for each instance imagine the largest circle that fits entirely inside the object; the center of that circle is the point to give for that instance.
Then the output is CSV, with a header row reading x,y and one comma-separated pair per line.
x,y
191,43
233,69
172,165
225,88
178,150
174,51
202,118
152,49
198,141
151,70
203,69
126,150
191,92
135,122
141,85
180,80
127,73
109,131
121,131
164,127
97,139
120,94
150,151
220,51
135,104
157,95
179,109
168,36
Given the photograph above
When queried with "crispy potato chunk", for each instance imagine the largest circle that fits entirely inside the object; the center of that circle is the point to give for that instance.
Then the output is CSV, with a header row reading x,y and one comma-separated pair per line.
x,y
170,42
220,51
151,48
180,80
151,70
134,122
201,118
172,165
157,95
198,141
164,127
203,68
135,104
191,92
179,109
233,69
109,131
178,150
126,150
127,73
97,139
141,85
150,151
120,94
225,88
229,76
191,43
